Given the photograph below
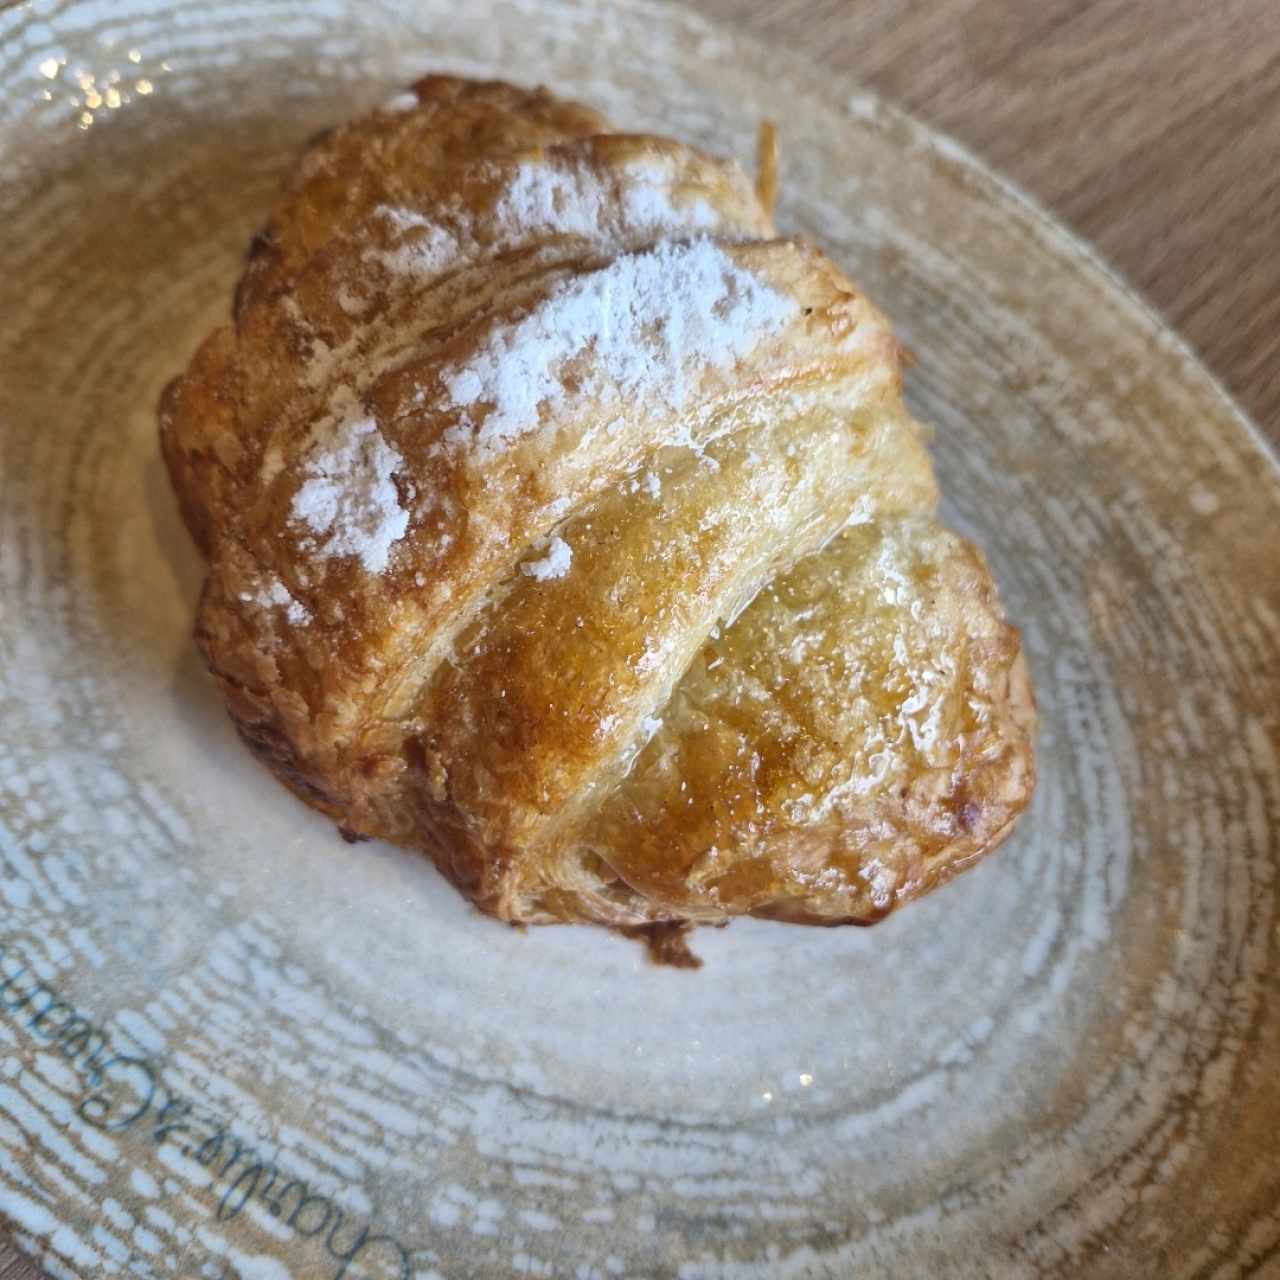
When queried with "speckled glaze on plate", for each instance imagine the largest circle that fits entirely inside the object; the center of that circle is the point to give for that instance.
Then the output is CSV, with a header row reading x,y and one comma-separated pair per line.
x,y
231,1045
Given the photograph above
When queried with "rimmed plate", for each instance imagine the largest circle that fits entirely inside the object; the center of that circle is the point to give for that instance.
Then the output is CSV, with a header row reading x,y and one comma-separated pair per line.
x,y
235,1046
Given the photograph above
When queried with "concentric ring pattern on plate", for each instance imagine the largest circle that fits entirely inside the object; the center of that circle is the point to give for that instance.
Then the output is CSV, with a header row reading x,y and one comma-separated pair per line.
x,y
266,1053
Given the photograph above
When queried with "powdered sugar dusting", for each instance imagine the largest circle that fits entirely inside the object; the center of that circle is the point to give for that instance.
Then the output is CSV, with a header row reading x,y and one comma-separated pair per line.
x,y
428,254
354,304
402,102
647,321
650,482
536,200
572,200
401,220
349,498
569,201
648,204
555,564
274,594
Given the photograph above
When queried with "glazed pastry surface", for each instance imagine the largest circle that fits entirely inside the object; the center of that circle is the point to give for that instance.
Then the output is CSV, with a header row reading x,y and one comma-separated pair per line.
x,y
566,523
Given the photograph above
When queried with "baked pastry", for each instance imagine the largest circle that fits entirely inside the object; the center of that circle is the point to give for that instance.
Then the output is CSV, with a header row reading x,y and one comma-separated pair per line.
x,y
565,523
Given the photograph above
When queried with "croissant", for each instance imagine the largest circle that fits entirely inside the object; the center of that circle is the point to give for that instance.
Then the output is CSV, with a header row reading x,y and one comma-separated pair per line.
x,y
564,522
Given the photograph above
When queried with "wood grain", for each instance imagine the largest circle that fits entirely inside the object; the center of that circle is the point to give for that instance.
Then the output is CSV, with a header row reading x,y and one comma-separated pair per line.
x,y
1151,129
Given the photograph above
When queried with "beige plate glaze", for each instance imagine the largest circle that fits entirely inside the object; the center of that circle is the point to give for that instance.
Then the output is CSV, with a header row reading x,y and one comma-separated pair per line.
x,y
235,1046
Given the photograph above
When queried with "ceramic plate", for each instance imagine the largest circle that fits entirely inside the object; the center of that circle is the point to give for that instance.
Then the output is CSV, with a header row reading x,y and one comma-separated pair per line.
x,y
234,1046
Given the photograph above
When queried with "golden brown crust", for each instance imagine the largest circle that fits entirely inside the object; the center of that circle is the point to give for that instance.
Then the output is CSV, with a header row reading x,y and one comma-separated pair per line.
x,y
854,762
517,415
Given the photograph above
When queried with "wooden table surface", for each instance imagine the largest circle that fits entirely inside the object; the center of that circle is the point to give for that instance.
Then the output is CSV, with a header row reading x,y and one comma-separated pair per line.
x,y
1151,127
